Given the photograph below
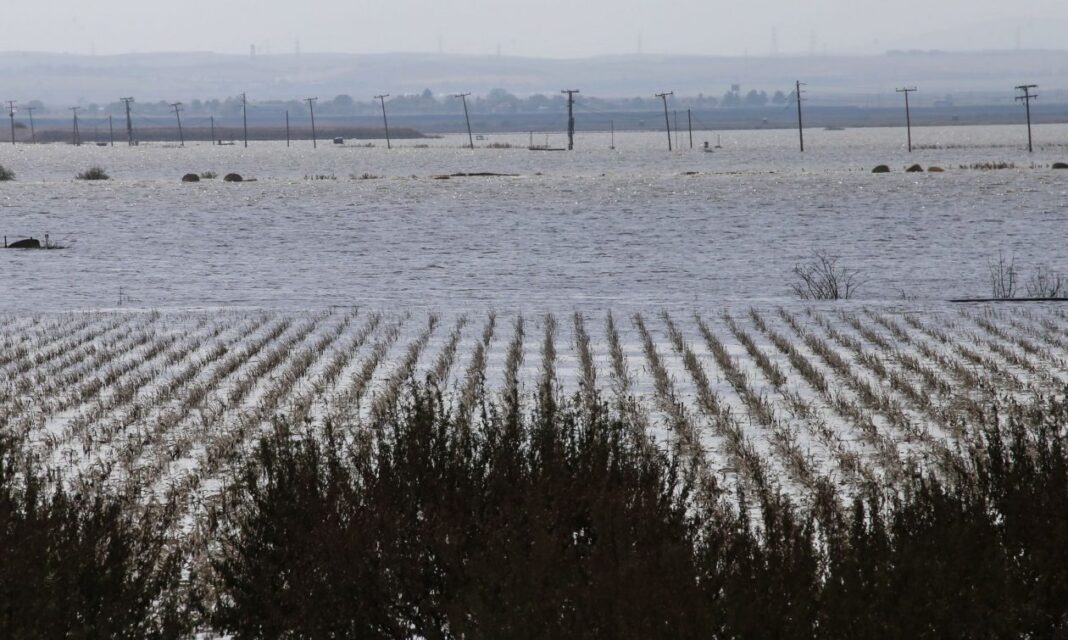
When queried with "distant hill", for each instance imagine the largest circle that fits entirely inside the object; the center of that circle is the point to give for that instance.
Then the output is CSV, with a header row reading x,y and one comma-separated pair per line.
x,y
968,77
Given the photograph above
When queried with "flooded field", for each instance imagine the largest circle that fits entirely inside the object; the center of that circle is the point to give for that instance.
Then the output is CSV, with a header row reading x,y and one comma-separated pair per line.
x,y
634,227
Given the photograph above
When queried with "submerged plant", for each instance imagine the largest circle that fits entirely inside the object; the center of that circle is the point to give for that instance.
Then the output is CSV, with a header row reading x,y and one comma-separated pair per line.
x,y
1003,277
93,173
821,278
1045,284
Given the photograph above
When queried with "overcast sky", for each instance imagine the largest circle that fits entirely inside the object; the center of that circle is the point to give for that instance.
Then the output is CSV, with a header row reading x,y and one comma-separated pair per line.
x,y
543,28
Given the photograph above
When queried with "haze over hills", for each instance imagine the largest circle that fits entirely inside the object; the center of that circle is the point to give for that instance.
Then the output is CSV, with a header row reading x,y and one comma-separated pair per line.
x,y
980,77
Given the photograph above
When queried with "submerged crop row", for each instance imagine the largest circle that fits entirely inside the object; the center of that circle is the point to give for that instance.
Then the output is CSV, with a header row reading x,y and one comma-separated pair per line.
x,y
164,405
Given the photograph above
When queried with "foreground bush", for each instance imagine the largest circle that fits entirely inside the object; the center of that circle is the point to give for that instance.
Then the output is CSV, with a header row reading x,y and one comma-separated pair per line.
x,y
72,566
563,523
6,174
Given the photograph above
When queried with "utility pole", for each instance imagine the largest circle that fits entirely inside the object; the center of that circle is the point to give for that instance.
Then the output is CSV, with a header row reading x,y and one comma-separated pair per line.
x,y
612,126
385,121
177,106
689,123
129,121
1026,98
800,125
311,108
463,96
667,123
908,116
33,132
570,117
287,127
77,134
244,116
213,138
111,131
11,112
675,114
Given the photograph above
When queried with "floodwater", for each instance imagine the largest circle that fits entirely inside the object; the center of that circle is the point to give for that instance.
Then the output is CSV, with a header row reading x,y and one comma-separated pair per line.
x,y
635,226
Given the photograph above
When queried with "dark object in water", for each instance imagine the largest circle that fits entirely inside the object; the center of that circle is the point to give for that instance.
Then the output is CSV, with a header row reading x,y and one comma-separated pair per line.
x,y
233,177
881,169
190,177
914,169
339,141
1008,300
935,170
1060,165
28,243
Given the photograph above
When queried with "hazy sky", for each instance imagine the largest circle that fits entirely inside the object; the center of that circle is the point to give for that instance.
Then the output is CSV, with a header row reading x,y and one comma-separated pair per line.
x,y
556,28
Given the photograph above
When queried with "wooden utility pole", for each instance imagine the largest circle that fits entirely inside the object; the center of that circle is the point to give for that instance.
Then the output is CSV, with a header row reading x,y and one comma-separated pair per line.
x,y
213,138
77,136
244,116
570,117
287,127
675,114
311,108
800,125
11,112
129,121
908,115
467,117
612,126
111,130
177,106
667,123
1026,98
689,123
33,132
385,121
